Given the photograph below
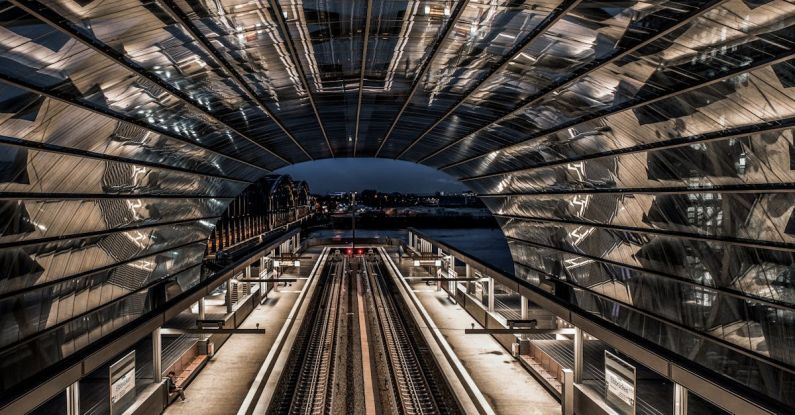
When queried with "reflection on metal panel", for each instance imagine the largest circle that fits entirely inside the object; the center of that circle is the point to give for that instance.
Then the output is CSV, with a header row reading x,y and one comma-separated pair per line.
x,y
639,155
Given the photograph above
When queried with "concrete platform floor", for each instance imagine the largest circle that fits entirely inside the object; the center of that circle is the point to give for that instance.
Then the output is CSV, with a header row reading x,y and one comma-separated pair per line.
x,y
223,383
508,387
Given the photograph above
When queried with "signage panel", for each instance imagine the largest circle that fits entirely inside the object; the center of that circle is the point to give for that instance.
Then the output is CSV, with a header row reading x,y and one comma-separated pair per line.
x,y
620,389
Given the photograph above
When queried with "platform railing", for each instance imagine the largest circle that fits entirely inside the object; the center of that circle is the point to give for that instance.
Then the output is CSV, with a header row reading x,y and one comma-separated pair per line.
x,y
69,371
684,374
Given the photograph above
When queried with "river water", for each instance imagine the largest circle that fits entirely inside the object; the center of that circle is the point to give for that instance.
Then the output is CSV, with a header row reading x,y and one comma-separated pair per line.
x,y
486,244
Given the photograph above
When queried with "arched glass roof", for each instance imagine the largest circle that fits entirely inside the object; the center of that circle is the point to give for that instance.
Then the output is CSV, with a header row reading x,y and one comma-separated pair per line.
x,y
644,144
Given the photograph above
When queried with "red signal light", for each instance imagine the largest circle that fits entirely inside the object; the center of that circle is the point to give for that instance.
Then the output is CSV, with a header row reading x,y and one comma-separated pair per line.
x,y
349,252
359,251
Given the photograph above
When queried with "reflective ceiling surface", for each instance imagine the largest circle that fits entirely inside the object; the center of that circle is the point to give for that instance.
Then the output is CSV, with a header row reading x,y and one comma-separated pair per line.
x,y
638,154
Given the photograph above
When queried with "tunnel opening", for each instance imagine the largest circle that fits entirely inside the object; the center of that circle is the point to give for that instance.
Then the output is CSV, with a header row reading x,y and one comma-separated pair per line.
x,y
638,157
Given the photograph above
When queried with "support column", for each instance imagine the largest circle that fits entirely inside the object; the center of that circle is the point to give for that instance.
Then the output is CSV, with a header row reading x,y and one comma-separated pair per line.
x,y
273,272
248,276
468,274
261,271
524,312
157,356
491,295
578,364
73,399
229,308
201,309
451,272
438,270
680,399
568,392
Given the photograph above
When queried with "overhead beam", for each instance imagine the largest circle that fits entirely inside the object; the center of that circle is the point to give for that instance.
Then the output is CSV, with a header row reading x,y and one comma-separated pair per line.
x,y
566,331
51,18
763,128
423,72
212,331
682,190
278,17
619,108
530,324
96,109
95,271
75,236
431,257
216,322
740,296
267,280
553,17
52,148
170,7
585,71
362,71
779,246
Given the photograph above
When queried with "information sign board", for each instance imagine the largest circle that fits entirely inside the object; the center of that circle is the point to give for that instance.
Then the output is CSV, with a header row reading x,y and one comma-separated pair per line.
x,y
122,383
620,389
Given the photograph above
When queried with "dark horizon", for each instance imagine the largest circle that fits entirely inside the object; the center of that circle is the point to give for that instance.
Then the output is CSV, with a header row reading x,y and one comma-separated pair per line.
x,y
387,176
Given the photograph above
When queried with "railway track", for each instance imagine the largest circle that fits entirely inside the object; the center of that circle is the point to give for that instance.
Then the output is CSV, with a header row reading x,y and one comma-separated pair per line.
x,y
325,371
313,391
307,385
415,386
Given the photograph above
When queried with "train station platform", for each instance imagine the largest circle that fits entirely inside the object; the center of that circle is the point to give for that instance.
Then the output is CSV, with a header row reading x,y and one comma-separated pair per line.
x,y
221,386
503,381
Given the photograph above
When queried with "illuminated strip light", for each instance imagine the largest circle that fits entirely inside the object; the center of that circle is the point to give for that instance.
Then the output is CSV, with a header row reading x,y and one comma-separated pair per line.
x,y
397,54
281,46
246,35
297,9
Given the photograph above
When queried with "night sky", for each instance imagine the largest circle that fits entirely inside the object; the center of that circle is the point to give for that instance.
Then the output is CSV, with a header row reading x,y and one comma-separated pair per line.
x,y
348,174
